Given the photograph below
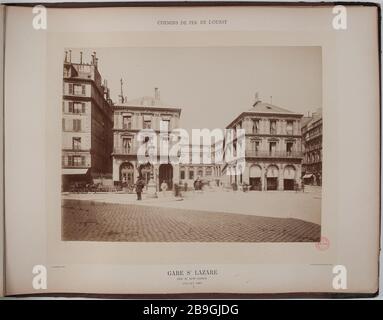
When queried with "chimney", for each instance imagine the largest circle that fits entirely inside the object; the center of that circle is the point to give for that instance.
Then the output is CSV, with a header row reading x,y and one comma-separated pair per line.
x,y
94,58
156,94
70,55
121,95
256,99
96,62
80,57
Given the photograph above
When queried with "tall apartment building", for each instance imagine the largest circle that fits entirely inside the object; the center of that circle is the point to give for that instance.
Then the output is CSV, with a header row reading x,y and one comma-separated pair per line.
x,y
312,137
86,122
273,148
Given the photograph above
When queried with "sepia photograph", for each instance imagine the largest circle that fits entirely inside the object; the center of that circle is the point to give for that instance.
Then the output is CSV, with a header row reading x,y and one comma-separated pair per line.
x,y
169,151
192,144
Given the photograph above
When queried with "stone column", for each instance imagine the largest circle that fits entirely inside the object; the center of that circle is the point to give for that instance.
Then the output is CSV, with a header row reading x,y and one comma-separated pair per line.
x,y
264,177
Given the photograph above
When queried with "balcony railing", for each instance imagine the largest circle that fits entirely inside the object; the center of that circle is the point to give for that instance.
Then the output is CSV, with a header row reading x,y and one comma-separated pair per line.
x,y
125,151
75,165
274,154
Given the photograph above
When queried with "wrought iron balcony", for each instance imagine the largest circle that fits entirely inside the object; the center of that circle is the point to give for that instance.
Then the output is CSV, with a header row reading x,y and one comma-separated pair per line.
x,y
75,165
274,154
125,151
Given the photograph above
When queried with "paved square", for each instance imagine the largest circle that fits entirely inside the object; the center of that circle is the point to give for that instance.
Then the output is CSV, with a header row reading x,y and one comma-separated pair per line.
x,y
100,221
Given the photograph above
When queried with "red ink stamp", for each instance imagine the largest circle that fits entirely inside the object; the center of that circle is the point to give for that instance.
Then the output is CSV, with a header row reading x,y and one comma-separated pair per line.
x,y
323,244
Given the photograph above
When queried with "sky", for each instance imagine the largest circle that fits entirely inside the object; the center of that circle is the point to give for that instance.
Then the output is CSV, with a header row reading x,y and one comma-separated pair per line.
x,y
213,85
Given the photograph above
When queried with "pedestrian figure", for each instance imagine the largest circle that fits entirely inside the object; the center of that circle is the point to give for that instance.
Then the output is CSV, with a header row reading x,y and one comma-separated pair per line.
x,y
164,186
139,186
197,184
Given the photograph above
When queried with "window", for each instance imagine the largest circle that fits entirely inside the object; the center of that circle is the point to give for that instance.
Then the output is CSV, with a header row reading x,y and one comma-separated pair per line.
x,y
79,89
255,126
289,146
127,122
289,127
76,125
70,106
273,126
147,124
76,161
165,125
126,145
70,88
272,146
78,107
191,174
256,145
182,174
208,171
76,143
200,173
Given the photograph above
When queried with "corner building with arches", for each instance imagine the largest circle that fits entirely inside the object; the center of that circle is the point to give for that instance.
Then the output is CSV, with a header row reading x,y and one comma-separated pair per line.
x,y
273,149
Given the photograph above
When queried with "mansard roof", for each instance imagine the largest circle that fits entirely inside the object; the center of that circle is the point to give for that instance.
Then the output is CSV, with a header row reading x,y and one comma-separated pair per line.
x,y
147,103
260,108
263,107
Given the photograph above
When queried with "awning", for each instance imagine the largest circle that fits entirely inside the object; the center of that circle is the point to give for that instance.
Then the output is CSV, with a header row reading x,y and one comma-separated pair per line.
x,y
75,171
307,176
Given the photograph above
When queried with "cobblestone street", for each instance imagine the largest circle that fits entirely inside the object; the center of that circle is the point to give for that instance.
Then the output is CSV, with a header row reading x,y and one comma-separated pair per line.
x,y
99,221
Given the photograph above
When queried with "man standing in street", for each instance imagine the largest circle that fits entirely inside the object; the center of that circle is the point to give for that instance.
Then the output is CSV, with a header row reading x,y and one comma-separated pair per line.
x,y
139,186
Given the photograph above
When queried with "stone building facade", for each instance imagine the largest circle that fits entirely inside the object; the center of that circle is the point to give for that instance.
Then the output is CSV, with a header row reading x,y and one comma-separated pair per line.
x,y
208,173
130,117
150,112
312,148
273,148
86,122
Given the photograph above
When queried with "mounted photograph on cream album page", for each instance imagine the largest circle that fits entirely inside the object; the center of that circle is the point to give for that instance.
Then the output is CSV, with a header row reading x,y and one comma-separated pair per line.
x,y
192,150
